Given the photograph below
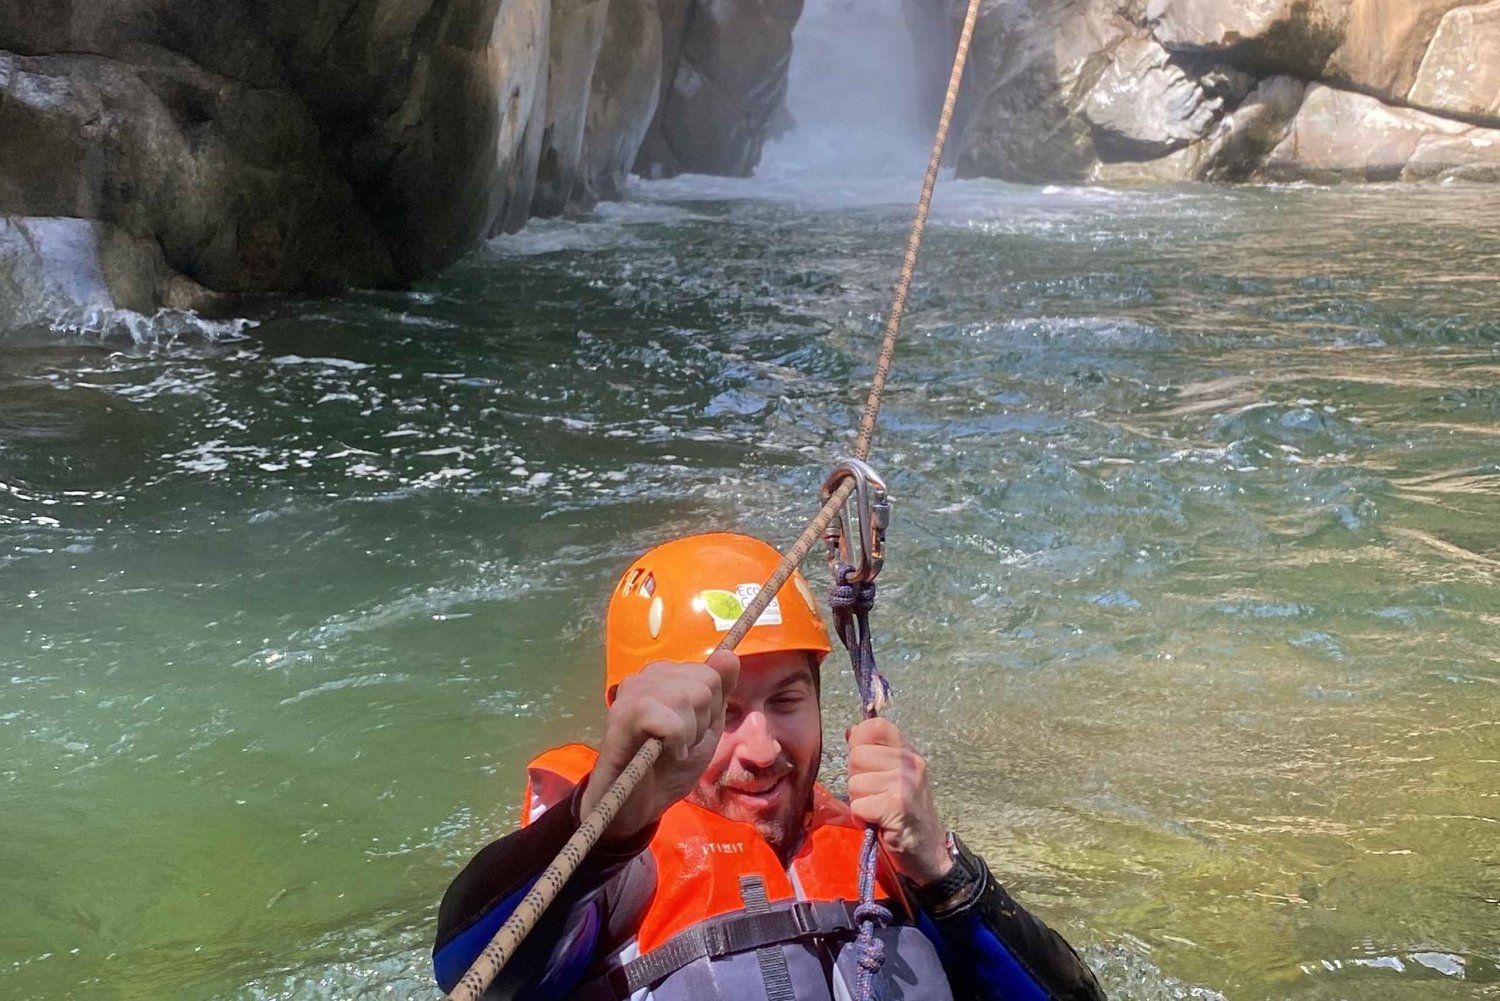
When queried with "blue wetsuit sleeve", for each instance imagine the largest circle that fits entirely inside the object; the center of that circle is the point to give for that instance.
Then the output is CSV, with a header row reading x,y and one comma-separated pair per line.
x,y
559,951
996,950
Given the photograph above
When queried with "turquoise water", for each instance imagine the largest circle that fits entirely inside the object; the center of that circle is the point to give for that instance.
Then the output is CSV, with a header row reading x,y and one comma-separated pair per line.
x,y
1192,593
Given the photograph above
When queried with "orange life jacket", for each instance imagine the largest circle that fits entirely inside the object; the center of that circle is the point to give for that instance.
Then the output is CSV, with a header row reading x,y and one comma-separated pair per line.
x,y
703,858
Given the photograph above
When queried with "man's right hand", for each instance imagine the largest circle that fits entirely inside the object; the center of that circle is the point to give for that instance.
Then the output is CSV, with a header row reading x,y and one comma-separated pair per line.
x,y
683,706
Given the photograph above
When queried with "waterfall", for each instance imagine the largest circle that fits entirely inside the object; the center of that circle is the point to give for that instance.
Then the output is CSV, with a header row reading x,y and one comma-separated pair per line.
x,y
854,95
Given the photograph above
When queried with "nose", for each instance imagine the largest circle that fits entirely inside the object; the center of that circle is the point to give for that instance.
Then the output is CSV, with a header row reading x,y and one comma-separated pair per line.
x,y
757,746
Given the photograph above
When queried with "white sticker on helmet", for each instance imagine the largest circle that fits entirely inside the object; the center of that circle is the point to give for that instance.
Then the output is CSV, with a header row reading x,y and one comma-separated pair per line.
x,y
726,607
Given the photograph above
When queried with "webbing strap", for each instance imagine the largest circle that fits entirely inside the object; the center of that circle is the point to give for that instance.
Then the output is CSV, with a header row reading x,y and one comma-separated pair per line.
x,y
724,937
774,975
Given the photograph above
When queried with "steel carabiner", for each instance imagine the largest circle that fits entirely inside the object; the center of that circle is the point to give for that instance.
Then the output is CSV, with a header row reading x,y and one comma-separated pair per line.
x,y
871,512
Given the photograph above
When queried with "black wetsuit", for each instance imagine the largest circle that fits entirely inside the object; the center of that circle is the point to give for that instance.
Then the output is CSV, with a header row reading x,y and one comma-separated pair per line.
x,y
991,948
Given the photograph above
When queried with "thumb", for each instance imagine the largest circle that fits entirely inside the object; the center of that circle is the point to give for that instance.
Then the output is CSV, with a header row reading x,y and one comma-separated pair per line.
x,y
727,663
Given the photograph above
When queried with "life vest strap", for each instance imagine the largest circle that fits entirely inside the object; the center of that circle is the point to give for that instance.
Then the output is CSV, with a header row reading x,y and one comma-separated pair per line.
x,y
723,937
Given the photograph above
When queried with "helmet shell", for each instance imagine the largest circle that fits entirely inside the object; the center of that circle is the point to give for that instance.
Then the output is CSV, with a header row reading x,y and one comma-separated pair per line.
x,y
678,601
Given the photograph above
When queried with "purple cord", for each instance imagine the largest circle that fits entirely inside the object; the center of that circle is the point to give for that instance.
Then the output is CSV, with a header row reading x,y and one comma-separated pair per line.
x,y
851,604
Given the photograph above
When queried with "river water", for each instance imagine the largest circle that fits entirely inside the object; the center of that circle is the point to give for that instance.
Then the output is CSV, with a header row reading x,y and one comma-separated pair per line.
x,y
1192,600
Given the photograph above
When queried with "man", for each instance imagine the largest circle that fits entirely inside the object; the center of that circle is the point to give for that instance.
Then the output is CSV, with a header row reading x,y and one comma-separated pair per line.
x,y
729,872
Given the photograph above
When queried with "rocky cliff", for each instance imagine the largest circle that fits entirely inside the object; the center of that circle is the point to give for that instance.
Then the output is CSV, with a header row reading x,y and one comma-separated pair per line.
x,y
161,151
1271,90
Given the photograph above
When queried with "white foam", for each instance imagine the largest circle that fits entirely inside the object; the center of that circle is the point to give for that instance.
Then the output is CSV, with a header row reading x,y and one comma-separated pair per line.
x,y
163,326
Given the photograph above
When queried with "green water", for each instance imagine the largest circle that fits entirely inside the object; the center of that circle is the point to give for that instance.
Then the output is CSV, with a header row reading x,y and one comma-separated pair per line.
x,y
1192,595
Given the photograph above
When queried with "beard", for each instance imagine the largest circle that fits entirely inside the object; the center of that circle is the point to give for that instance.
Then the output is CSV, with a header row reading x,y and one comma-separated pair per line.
x,y
781,822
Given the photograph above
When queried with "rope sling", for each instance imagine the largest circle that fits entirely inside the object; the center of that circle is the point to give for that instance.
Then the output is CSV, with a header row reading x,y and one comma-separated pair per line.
x,y
529,912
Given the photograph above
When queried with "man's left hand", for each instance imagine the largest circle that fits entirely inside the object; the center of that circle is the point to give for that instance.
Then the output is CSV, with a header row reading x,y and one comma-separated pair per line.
x,y
888,788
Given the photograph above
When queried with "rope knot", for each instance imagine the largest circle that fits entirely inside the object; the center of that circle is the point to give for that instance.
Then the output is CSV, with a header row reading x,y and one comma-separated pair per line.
x,y
872,955
869,910
841,596
856,597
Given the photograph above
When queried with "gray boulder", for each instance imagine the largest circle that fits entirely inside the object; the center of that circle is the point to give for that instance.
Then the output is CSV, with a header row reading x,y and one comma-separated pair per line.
x,y
1033,65
1338,135
1460,71
1143,106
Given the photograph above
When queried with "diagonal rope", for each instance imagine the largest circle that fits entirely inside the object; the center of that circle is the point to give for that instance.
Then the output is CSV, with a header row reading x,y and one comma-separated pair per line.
x,y
508,939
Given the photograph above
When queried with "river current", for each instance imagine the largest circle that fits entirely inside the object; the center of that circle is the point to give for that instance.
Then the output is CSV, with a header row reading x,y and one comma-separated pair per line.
x,y
1193,595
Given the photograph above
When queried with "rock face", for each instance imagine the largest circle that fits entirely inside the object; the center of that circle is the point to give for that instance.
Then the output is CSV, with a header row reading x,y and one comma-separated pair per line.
x,y
728,80
302,145
1276,90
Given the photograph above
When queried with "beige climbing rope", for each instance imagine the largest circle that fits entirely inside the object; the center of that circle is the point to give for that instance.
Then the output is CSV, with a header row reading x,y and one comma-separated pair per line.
x,y
508,939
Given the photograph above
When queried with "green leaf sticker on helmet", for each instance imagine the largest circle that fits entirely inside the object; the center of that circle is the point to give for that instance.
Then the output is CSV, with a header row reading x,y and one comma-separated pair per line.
x,y
726,607
723,606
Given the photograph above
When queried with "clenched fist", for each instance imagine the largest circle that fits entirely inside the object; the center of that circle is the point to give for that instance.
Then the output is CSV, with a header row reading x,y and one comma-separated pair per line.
x,y
888,788
683,706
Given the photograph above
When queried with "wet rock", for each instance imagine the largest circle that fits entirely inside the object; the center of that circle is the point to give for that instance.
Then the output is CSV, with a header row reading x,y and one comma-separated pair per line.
x,y
1296,36
1245,137
1383,44
60,268
519,61
1168,90
1460,72
260,145
1374,46
725,82
1227,83
1181,165
576,38
228,179
1472,155
622,101
1338,135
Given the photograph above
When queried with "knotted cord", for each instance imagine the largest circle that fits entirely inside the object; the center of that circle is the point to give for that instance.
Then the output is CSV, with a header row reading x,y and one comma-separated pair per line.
x,y
851,602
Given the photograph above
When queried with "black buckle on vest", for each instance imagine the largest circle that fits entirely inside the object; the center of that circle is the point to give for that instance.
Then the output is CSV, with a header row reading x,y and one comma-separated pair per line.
x,y
618,980
716,941
803,916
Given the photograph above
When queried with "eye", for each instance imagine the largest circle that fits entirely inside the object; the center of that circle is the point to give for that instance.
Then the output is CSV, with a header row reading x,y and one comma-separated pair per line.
x,y
788,701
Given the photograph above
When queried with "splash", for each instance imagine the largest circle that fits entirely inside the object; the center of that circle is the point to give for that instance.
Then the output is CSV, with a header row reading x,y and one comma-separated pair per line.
x,y
162,328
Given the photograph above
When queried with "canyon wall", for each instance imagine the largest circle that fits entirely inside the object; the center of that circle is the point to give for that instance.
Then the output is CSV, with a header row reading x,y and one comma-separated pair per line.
x,y
164,152
1227,90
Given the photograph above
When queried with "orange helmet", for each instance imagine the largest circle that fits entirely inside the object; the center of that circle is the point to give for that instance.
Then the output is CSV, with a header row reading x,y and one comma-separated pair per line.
x,y
678,600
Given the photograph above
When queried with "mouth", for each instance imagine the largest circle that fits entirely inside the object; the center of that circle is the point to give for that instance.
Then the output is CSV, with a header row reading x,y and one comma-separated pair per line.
x,y
759,793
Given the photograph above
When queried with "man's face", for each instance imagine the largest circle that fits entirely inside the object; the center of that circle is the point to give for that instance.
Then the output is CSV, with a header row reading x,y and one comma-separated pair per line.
x,y
767,760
